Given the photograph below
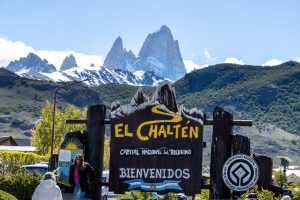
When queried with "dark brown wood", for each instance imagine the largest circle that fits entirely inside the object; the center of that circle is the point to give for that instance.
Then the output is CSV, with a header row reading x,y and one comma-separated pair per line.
x,y
83,121
265,165
139,98
106,121
165,94
95,138
220,152
76,121
237,122
239,145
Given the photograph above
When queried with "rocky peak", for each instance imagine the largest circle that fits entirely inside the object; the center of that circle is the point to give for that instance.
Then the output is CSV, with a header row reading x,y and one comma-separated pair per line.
x,y
31,62
120,58
68,63
161,54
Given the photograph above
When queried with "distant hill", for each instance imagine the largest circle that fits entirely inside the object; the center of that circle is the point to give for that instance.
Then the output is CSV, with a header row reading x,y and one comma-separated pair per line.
x,y
22,99
268,95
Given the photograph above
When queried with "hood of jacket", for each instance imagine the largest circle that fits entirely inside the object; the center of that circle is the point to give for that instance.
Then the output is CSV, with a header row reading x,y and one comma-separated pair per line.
x,y
48,184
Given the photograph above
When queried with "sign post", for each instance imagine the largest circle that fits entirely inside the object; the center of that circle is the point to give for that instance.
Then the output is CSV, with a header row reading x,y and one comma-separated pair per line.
x,y
155,146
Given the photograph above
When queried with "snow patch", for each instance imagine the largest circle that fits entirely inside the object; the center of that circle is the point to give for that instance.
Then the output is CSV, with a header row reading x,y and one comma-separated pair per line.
x,y
139,74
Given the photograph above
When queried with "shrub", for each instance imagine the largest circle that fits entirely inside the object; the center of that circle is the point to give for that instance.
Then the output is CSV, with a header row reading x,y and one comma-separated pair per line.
x,y
261,194
6,196
13,160
19,183
295,187
134,195
204,195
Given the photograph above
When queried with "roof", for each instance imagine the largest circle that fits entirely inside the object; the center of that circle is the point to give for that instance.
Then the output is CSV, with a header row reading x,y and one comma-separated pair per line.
x,y
18,148
37,165
295,172
22,142
5,138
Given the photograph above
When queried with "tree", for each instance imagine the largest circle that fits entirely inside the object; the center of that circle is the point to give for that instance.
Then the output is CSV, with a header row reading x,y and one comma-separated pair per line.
x,y
42,130
280,178
295,187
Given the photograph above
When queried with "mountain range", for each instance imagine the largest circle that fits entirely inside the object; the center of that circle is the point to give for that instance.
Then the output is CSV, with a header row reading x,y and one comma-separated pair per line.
x,y
159,59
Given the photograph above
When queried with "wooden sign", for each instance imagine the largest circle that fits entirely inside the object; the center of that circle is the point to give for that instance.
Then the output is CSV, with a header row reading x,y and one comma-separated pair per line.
x,y
156,146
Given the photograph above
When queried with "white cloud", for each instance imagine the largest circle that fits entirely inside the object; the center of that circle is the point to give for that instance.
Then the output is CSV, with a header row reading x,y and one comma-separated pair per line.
x,y
207,55
190,65
234,60
10,51
56,58
273,62
204,54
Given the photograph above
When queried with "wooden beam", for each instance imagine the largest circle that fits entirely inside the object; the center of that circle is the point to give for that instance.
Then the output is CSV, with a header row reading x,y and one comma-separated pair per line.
x,y
107,121
265,165
220,152
239,145
76,121
83,121
237,122
95,138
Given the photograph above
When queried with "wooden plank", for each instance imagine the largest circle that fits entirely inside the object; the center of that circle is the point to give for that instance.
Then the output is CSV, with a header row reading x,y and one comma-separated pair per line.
x,y
239,145
83,121
220,152
95,138
76,121
265,165
237,122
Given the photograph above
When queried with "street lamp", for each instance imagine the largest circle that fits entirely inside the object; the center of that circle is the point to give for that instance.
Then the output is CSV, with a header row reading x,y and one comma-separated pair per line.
x,y
54,109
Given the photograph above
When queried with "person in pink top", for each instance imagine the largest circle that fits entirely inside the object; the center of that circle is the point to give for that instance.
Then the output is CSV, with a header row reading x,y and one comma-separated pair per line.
x,y
81,174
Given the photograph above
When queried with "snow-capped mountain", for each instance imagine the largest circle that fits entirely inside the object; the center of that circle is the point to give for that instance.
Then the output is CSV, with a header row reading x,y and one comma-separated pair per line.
x,y
94,75
119,58
159,59
160,54
31,62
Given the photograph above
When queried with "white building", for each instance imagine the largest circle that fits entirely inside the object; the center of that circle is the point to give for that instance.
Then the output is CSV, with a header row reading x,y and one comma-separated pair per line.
x,y
292,173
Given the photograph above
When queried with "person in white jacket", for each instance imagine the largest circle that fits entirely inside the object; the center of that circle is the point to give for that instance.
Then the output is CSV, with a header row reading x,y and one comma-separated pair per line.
x,y
47,189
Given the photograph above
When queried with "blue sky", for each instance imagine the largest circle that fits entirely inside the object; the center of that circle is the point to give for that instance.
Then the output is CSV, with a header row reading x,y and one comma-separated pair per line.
x,y
209,32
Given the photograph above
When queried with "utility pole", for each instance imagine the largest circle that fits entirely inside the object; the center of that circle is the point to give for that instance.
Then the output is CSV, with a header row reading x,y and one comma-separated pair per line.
x,y
53,115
